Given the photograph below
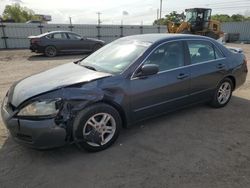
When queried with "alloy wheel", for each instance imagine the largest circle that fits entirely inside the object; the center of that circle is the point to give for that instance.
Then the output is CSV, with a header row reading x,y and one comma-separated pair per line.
x,y
51,51
224,92
101,124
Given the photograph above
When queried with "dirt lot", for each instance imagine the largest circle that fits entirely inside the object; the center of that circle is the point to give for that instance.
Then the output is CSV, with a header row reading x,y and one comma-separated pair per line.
x,y
195,147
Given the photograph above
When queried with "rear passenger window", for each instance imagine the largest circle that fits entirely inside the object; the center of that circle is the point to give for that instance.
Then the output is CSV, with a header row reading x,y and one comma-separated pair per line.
x,y
59,36
218,54
201,51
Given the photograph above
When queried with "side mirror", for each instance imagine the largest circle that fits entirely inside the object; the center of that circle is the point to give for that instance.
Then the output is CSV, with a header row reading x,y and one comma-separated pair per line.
x,y
149,69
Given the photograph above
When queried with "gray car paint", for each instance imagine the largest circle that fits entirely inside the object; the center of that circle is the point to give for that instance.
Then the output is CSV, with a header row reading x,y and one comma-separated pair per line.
x,y
52,79
64,45
134,98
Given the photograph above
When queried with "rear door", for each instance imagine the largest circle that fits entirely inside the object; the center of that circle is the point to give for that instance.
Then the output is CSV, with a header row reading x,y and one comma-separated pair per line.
x,y
166,90
59,40
208,68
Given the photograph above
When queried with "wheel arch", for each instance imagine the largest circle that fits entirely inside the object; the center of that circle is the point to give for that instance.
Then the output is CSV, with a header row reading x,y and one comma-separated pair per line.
x,y
232,78
116,107
50,45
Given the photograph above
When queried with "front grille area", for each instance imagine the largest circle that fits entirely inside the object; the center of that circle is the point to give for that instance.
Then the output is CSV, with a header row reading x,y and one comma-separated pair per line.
x,y
24,137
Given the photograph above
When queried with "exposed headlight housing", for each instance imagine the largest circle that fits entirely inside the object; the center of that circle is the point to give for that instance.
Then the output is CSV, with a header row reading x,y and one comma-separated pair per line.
x,y
40,108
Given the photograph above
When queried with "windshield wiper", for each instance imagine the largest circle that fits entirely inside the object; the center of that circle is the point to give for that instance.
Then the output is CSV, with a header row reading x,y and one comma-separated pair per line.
x,y
89,67
79,60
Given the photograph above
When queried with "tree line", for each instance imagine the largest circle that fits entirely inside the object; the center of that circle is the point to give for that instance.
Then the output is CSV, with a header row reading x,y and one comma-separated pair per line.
x,y
18,14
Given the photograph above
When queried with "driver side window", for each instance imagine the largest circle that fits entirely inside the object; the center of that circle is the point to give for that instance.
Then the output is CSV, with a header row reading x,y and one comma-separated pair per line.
x,y
167,56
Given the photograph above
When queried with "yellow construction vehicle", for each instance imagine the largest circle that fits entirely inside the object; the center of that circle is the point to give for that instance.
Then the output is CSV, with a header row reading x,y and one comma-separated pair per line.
x,y
198,21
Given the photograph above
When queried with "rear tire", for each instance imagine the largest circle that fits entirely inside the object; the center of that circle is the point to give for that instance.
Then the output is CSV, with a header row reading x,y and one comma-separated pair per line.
x,y
50,51
223,93
89,131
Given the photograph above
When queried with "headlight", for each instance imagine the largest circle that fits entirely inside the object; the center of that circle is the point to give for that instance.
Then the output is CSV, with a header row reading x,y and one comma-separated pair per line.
x,y
40,108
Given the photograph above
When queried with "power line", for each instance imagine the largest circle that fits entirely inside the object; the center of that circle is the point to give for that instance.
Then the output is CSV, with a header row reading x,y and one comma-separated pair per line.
x,y
223,8
225,5
215,3
229,2
220,6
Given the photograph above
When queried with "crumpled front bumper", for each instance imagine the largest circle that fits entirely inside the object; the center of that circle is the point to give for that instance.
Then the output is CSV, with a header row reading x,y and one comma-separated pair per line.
x,y
37,133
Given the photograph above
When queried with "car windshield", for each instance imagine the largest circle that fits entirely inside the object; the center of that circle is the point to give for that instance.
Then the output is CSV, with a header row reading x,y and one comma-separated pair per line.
x,y
115,57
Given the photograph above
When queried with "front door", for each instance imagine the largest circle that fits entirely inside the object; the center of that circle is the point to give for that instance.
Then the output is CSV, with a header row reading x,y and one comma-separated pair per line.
x,y
165,90
77,43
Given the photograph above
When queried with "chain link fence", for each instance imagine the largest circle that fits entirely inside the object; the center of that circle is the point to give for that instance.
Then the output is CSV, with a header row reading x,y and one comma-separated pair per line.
x,y
15,35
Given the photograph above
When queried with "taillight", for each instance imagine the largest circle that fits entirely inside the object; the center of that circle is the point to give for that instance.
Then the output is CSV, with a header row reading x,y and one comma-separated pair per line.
x,y
34,40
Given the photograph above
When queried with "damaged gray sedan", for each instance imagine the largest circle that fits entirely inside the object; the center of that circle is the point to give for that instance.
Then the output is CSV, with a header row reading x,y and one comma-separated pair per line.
x,y
131,79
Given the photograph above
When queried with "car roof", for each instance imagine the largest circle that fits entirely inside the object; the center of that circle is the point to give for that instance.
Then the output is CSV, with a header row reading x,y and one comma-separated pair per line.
x,y
152,38
60,32
52,32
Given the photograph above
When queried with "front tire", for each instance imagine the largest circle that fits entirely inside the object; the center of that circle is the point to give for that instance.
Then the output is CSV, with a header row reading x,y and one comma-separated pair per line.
x,y
97,127
223,93
96,47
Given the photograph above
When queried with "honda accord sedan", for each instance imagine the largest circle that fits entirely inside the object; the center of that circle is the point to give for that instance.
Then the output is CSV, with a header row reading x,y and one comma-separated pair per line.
x,y
55,42
129,80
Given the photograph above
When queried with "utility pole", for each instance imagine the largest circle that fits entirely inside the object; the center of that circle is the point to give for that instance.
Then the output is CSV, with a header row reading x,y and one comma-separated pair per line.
x,y
157,14
99,18
70,22
160,8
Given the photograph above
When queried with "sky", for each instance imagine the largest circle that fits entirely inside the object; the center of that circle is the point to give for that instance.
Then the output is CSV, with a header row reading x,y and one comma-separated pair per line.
x,y
112,11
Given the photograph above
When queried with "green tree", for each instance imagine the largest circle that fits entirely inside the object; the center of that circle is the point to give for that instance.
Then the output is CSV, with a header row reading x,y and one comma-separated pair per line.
x,y
233,18
18,13
172,16
238,18
222,17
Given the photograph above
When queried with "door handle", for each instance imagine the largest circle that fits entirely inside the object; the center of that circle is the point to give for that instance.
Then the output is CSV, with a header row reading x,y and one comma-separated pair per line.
x,y
182,76
220,66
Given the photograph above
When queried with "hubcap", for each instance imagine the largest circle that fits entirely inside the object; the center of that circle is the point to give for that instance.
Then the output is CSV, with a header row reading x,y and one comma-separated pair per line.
x,y
51,51
102,123
224,93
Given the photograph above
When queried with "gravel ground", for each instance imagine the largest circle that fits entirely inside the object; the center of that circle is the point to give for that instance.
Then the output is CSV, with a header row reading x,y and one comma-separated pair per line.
x,y
194,147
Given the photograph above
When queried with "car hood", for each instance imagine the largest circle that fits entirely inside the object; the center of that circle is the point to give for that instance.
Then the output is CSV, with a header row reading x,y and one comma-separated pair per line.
x,y
58,77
